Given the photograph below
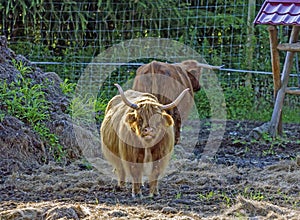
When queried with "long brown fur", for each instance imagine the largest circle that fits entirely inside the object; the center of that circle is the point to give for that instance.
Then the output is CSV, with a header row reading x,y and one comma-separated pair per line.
x,y
123,143
166,81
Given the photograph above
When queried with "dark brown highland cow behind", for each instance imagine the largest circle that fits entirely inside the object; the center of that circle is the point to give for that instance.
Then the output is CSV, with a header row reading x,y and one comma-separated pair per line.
x,y
166,81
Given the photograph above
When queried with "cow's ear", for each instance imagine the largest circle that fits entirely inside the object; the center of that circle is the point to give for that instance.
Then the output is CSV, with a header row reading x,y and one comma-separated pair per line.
x,y
130,118
168,118
194,78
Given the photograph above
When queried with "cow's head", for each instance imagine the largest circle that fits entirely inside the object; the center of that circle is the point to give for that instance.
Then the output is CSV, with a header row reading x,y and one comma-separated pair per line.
x,y
194,70
148,118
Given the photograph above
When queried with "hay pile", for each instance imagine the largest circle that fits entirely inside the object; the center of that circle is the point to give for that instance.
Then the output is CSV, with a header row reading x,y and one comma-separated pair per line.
x,y
244,209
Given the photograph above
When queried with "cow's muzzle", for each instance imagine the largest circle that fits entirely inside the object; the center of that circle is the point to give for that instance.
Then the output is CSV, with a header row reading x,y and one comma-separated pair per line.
x,y
148,133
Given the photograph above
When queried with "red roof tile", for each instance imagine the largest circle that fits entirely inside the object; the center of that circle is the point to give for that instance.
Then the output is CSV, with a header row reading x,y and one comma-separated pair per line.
x,y
279,12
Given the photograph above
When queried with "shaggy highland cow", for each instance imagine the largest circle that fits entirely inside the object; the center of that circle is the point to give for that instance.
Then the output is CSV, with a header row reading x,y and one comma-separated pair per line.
x,y
138,137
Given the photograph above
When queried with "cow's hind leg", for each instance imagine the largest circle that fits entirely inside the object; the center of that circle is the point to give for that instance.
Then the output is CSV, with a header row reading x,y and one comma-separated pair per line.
x,y
177,123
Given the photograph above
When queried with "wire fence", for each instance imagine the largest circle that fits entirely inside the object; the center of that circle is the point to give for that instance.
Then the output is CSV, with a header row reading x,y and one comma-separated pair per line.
x,y
64,36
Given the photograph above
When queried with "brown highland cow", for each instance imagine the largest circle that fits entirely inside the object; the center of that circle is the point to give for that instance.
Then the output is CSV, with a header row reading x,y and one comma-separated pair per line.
x,y
138,137
166,81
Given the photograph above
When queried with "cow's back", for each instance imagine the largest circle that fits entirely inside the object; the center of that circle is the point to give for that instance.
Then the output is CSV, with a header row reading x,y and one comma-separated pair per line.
x,y
166,82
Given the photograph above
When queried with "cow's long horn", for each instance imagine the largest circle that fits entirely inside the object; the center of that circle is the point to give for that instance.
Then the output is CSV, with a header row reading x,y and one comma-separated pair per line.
x,y
175,102
125,100
207,66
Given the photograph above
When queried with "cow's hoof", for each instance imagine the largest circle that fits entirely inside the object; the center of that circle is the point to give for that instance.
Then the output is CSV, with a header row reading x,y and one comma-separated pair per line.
x,y
119,188
121,183
151,195
137,195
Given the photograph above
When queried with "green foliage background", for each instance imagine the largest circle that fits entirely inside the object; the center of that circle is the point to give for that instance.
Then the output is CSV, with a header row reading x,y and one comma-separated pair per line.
x,y
68,34
56,30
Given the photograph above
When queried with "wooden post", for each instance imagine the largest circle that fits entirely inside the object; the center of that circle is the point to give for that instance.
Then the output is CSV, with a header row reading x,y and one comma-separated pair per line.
x,y
275,67
274,58
250,39
276,116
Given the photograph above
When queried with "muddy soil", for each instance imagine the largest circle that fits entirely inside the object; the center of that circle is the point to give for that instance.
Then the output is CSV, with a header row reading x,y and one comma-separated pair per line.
x,y
209,177
245,178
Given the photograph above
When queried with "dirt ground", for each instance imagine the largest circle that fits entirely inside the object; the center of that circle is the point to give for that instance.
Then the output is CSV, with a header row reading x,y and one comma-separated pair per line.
x,y
244,179
230,176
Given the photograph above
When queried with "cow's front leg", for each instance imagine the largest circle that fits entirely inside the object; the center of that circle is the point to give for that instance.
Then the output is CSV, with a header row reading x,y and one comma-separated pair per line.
x,y
158,168
136,171
136,190
153,181
121,177
120,172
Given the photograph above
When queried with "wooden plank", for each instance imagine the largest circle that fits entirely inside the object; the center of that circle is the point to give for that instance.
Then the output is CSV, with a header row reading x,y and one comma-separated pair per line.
x,y
274,58
276,116
293,90
294,47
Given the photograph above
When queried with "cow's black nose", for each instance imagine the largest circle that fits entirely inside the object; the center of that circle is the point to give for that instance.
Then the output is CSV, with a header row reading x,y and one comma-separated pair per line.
x,y
148,130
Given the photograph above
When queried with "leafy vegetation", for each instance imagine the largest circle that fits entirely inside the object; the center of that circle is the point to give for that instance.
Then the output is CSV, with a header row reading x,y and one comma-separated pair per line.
x,y
74,32
67,35
67,87
26,100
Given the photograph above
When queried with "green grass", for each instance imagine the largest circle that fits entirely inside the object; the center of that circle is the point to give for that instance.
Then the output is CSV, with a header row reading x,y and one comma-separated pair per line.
x,y
88,109
67,87
25,100
241,104
228,197
220,196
